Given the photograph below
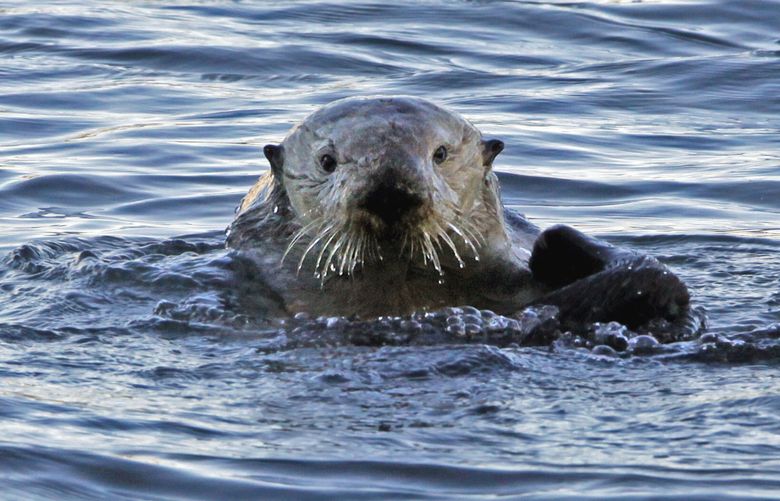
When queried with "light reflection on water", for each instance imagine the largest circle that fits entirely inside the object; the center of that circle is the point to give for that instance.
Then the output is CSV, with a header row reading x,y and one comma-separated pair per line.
x,y
123,126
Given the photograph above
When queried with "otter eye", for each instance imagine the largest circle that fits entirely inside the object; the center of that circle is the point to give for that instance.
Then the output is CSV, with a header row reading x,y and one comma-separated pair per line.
x,y
440,154
328,163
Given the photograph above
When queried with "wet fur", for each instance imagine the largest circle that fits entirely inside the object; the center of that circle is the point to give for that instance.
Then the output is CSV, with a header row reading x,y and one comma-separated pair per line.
x,y
324,255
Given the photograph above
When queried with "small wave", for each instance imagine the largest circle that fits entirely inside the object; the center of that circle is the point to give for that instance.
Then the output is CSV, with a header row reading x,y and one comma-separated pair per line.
x,y
72,473
68,190
11,333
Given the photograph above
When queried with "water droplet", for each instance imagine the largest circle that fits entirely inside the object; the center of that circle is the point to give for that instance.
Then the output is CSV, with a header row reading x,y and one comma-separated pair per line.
x,y
473,329
334,322
458,330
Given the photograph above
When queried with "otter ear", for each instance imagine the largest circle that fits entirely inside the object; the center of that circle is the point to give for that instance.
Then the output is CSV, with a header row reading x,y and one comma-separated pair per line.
x,y
490,150
275,155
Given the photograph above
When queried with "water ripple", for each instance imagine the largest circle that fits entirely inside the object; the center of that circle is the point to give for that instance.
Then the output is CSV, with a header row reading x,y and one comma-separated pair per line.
x,y
133,349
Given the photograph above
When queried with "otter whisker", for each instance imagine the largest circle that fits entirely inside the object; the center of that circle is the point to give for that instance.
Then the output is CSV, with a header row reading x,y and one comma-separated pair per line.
x,y
474,235
365,250
353,256
345,256
403,245
360,258
442,234
423,249
356,259
318,238
377,250
433,255
474,232
466,240
324,249
300,234
328,263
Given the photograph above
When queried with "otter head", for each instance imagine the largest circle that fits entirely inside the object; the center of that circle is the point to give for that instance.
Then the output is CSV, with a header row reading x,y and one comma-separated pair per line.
x,y
371,179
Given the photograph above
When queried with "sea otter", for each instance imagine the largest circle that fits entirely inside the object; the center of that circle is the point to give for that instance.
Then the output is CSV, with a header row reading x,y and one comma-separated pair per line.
x,y
388,205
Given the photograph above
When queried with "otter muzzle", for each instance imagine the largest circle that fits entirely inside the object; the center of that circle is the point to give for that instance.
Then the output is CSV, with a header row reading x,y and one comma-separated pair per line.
x,y
391,198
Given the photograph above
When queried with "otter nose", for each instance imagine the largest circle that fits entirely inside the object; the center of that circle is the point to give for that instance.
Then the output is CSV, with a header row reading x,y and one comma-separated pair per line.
x,y
391,199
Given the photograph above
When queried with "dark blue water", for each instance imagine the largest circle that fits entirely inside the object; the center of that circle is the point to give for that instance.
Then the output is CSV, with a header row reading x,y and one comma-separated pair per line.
x,y
129,131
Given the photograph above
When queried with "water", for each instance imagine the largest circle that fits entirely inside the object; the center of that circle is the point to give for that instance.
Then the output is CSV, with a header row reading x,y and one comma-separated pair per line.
x,y
129,131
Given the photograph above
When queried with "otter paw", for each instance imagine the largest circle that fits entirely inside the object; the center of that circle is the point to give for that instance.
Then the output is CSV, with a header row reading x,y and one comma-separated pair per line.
x,y
563,255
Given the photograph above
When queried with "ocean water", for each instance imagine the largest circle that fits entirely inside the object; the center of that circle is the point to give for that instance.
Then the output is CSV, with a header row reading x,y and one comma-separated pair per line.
x,y
129,131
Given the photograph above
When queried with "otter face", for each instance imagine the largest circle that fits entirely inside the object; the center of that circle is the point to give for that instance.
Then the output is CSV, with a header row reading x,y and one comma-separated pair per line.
x,y
370,176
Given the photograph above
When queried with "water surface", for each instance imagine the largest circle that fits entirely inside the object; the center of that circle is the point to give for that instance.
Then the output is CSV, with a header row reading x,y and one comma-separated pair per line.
x,y
130,131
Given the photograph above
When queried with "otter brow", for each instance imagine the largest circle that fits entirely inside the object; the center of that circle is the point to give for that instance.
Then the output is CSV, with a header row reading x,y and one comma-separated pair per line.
x,y
295,177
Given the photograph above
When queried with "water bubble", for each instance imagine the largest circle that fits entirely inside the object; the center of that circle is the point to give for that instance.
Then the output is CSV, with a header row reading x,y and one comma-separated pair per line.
x,y
643,342
487,314
458,330
334,322
710,337
454,320
410,325
602,331
472,329
497,324
604,350
513,325
434,315
472,319
470,310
